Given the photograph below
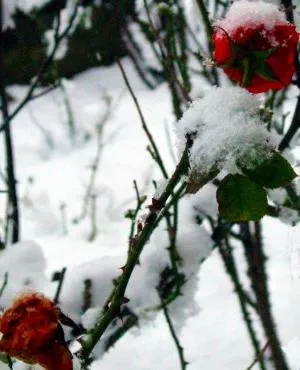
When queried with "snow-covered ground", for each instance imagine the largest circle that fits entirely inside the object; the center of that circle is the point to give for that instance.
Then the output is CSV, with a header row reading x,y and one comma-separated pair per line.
x,y
53,171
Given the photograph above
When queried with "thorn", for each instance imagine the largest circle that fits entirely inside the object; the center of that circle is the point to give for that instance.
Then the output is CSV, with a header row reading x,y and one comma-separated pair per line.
x,y
139,227
125,300
123,268
156,204
106,306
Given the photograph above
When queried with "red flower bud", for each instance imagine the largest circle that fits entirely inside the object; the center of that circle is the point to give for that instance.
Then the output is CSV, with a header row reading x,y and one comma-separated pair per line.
x,y
259,58
32,333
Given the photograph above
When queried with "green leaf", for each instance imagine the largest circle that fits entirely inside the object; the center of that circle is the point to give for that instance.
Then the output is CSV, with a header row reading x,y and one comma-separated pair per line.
x,y
272,173
240,199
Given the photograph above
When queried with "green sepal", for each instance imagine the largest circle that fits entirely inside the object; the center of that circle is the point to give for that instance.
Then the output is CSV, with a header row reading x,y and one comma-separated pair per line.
x,y
265,71
241,199
251,62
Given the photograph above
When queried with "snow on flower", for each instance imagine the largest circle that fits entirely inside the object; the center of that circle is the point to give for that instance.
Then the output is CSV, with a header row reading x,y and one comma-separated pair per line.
x,y
256,46
251,15
225,127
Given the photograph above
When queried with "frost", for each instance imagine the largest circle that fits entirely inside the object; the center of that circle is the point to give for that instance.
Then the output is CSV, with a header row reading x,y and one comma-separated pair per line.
x,y
225,126
248,14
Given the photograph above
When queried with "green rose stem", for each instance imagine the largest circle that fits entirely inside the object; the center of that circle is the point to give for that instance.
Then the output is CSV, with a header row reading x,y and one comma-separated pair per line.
x,y
207,23
117,298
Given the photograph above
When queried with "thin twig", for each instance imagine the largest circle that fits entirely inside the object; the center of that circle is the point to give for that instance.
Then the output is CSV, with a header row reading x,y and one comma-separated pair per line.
x,y
143,121
227,257
87,295
171,227
5,281
12,217
93,217
60,279
133,215
262,351
58,39
90,189
174,84
209,33
292,130
295,124
256,269
180,351
43,92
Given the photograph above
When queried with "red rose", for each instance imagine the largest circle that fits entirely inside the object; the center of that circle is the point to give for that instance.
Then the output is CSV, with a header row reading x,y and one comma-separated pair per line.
x,y
259,58
31,332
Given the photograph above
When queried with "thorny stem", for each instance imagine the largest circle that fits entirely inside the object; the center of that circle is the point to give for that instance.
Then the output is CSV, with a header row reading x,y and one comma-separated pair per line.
x,y
183,362
117,297
256,270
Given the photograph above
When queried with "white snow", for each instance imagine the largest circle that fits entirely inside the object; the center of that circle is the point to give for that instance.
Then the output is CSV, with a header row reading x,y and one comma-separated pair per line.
x,y
251,14
53,170
25,266
225,127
